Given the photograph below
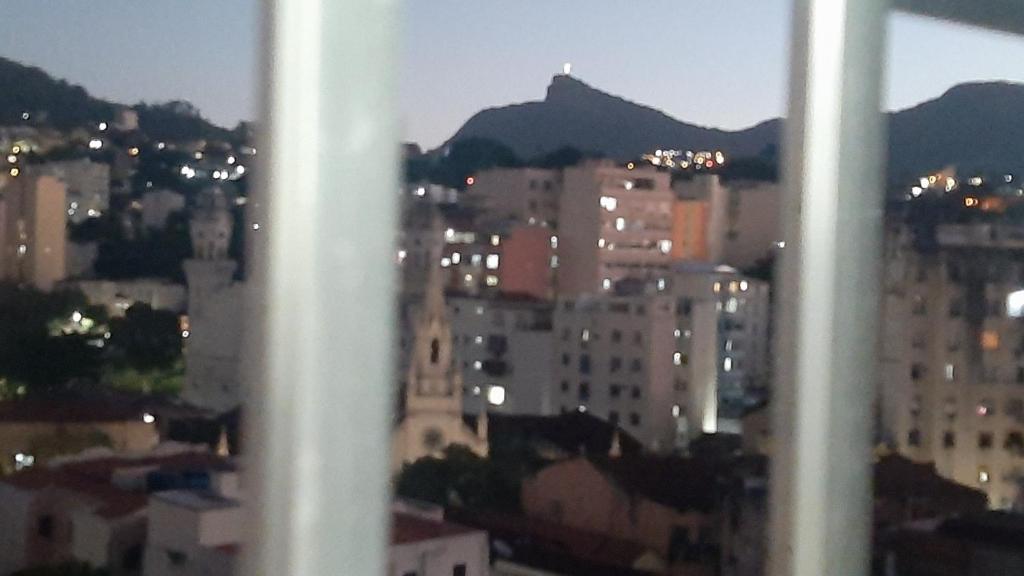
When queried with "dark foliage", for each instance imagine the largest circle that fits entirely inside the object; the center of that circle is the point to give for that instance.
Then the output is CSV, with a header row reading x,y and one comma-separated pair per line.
x,y
147,338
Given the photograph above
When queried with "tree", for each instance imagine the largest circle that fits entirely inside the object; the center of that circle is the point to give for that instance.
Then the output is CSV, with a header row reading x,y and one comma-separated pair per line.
x,y
460,478
35,354
146,337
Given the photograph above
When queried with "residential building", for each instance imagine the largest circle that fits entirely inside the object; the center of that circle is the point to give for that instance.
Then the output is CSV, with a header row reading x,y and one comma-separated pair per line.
x,y
97,507
743,217
952,372
32,248
666,362
974,545
523,195
504,349
668,505
614,223
215,301
425,545
87,184
193,532
34,430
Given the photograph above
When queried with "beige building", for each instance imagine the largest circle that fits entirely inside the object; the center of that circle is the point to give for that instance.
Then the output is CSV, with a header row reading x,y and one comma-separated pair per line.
x,y
32,233
666,505
523,195
952,354
743,217
88,187
614,223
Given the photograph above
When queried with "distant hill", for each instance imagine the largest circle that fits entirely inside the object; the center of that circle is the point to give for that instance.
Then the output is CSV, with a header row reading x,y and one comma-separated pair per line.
x,y
976,127
576,115
64,106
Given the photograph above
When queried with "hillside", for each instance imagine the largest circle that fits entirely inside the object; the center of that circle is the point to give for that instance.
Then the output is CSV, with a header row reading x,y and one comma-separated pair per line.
x,y
975,127
56,103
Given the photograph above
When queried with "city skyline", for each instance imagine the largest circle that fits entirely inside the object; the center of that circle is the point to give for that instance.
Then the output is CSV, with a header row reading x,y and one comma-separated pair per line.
x,y
167,53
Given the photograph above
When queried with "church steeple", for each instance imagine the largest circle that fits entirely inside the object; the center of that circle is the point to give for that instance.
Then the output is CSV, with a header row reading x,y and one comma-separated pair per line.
x,y
435,382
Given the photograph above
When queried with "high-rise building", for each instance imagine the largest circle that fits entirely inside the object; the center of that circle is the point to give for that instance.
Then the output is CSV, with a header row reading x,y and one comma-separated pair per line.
x,y
215,305
952,352
667,365
523,195
88,186
614,223
32,233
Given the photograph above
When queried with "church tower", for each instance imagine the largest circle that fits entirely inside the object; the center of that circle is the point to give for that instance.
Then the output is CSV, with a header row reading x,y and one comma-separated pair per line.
x,y
214,308
432,402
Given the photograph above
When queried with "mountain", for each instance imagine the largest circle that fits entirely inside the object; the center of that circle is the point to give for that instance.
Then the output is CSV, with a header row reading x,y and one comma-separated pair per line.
x,y
975,127
64,106
577,115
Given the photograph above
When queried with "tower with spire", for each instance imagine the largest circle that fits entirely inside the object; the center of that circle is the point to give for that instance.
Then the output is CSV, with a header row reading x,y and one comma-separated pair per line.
x,y
432,398
215,299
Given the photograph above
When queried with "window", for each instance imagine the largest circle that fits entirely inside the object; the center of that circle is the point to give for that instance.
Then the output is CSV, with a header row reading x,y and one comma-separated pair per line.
x,y
459,570
948,439
1014,442
636,365
615,390
564,385
566,359
584,363
985,440
638,337
635,392
914,437
613,418
616,336
615,364
44,527
634,419
584,391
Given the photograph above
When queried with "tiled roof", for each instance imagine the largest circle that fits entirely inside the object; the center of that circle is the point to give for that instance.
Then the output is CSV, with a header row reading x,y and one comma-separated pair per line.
x,y
407,528
680,483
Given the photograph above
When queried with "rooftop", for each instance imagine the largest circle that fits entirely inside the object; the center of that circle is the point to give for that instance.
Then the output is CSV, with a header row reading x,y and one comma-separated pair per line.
x,y
407,528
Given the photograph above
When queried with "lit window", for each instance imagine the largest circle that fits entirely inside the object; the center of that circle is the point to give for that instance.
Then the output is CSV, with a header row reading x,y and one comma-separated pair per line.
x,y
479,310
1015,304
983,476
495,240
491,280
733,286
665,246
661,284
676,410
609,203
732,305
585,335
950,372
677,333
496,395
95,144
717,287
22,461
554,241
148,418
743,285
476,259
606,283
677,358
620,224
727,364
446,262
554,261
477,365
600,242
456,257
478,340
492,262
990,340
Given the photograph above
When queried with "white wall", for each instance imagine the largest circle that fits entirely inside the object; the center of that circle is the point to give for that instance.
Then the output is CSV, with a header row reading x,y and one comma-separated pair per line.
x,y
438,557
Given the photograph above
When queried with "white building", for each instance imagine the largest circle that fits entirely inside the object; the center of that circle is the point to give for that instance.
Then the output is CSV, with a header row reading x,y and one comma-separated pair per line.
x,y
504,347
665,365
422,545
119,295
215,305
157,205
192,533
88,186
952,354
613,223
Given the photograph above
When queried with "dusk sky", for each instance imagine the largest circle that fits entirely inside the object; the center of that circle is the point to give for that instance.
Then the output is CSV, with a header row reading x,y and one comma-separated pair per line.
x,y
718,64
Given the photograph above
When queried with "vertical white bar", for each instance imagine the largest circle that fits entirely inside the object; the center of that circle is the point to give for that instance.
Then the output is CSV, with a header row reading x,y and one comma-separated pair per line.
x,y
828,298
318,420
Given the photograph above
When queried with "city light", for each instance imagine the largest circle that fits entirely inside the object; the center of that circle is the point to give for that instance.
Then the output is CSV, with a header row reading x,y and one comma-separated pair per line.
x,y
1015,304
496,395
148,418
95,144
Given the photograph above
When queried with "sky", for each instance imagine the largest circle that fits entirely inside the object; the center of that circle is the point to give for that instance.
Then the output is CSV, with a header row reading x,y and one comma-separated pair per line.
x,y
719,64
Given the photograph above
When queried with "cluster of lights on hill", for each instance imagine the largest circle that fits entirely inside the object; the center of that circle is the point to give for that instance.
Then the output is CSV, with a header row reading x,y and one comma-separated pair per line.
x,y
688,160
975,191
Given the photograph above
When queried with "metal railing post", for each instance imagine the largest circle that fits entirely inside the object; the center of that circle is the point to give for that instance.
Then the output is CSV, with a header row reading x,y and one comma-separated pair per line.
x,y
319,354
828,298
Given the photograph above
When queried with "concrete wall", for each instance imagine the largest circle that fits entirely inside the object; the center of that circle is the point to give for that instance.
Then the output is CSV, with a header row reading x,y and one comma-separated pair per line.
x,y
438,557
